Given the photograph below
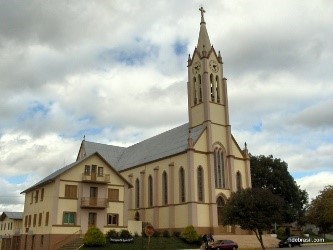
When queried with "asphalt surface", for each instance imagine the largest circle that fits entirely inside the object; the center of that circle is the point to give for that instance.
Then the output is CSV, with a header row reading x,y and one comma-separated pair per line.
x,y
312,247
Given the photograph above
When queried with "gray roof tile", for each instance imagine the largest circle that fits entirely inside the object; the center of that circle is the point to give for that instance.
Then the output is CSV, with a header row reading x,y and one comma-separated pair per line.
x,y
12,215
169,143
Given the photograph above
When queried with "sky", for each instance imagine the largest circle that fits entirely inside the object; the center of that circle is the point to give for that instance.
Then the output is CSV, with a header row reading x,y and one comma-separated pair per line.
x,y
116,73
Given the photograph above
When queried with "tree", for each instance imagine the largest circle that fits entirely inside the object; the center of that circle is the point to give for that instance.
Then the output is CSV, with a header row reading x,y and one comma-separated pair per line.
x,y
253,209
320,211
272,174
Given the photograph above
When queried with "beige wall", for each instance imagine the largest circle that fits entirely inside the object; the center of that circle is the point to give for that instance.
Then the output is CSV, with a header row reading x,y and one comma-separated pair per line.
x,y
56,203
10,227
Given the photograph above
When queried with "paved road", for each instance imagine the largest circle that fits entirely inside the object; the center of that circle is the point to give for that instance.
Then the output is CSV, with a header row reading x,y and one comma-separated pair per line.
x,y
312,247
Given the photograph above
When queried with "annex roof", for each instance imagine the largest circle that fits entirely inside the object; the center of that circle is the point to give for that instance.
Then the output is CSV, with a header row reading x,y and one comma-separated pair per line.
x,y
54,175
12,215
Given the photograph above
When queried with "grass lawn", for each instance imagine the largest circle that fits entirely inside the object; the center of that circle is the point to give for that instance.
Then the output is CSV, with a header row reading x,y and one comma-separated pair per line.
x,y
160,243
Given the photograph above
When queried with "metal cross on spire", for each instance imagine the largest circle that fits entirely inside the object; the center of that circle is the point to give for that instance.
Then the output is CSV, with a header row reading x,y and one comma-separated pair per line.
x,y
202,14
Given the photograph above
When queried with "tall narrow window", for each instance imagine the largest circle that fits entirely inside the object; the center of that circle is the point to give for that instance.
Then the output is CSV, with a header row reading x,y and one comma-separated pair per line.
x,y
200,184
182,185
165,188
220,204
35,220
212,87
238,181
219,169
150,191
217,84
47,219
100,171
36,196
42,195
195,90
87,170
137,193
92,219
40,219
200,89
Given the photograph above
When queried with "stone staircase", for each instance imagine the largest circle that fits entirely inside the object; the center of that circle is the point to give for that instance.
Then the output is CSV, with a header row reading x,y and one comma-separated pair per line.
x,y
73,245
249,241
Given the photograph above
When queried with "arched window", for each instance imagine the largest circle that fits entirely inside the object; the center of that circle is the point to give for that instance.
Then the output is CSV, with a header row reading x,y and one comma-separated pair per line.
x,y
212,87
150,191
165,188
219,168
182,185
200,184
194,90
217,84
200,89
220,204
137,193
238,181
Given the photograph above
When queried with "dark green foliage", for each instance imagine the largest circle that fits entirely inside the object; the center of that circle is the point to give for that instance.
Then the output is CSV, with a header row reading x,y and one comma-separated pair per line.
x,y
176,234
94,237
112,233
281,233
320,211
272,174
125,234
253,209
166,234
190,235
288,231
157,233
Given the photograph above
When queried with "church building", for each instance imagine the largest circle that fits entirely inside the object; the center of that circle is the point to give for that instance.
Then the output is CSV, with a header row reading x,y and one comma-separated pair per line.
x,y
172,180
184,176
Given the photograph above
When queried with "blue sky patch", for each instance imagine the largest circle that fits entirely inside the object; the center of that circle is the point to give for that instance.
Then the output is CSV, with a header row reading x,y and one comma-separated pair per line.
x,y
180,48
18,179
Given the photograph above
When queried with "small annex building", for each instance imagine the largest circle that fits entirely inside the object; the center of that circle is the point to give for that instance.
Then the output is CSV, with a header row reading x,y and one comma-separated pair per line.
x,y
62,206
10,230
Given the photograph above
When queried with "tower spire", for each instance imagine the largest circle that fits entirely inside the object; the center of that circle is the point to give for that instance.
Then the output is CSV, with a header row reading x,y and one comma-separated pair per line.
x,y
203,40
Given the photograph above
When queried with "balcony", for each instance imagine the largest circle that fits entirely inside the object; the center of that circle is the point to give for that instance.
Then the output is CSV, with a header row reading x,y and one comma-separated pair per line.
x,y
93,177
87,202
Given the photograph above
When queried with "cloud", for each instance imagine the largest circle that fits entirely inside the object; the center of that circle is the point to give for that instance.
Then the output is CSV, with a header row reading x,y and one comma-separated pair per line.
x,y
116,72
315,183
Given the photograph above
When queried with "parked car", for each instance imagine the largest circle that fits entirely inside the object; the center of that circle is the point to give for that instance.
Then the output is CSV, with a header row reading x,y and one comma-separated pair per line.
x,y
223,244
291,242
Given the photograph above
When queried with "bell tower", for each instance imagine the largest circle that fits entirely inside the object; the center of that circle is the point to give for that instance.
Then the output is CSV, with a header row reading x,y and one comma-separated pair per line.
x,y
207,93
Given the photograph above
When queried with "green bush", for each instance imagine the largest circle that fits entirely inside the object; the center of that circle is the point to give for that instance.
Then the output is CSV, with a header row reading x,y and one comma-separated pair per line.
x,y
176,234
281,233
166,234
112,234
125,234
190,235
94,237
157,233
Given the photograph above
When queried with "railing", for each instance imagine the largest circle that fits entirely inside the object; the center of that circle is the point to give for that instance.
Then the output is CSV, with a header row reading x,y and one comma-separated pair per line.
x,y
93,177
67,239
88,202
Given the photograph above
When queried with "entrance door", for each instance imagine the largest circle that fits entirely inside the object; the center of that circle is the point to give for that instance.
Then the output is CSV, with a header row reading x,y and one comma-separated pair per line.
x,y
92,219
93,196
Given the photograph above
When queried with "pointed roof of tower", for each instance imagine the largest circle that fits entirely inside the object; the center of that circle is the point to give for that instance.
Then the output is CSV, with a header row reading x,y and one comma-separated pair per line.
x,y
203,40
